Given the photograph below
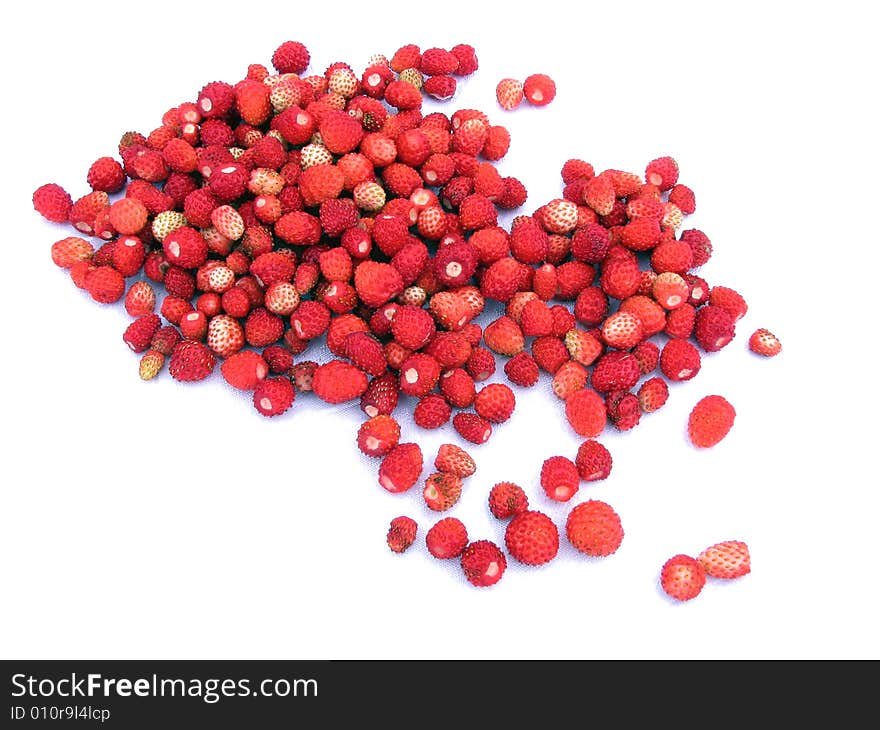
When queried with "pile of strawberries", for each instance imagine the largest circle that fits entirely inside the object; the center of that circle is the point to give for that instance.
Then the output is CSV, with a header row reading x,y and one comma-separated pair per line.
x,y
288,208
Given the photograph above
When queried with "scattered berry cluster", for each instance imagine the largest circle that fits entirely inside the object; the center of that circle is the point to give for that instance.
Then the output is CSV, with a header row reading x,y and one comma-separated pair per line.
x,y
288,208
683,577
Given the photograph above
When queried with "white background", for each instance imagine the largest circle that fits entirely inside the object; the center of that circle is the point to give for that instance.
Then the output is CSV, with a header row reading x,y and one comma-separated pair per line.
x,y
161,520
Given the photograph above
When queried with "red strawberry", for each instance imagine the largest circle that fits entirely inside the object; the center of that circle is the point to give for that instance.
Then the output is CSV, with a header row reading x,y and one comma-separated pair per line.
x,y
447,538
481,364
594,528
67,251
53,203
381,395
507,499
378,435
532,538
522,370
377,283
483,563
682,577
504,336
622,330
763,342
432,411
366,352
419,373
727,560
624,410
225,335
680,360
273,396
472,427
495,402
244,369
458,387
191,361
584,348
338,381
401,533
454,460
615,370
714,328
648,355
105,284
730,300
585,412
710,421
539,89
653,394
560,478
139,334
662,172
291,57
442,491
593,461
401,467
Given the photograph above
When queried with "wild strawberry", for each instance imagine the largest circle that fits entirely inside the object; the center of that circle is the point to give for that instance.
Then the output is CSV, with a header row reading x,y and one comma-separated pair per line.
x,y
683,197
454,460
653,394
495,402
620,277
522,370
481,364
763,342
165,339
106,174
432,411
615,370
105,284
442,491
279,359
225,335
729,300
140,299
682,577
623,408
622,330
701,246
377,283
401,467
262,328
549,353
599,194
662,172
401,533
321,182
680,322
591,306
641,234
509,93
53,203
560,478
366,352
440,87
714,328
679,360
67,251
150,364
710,421
466,57
447,538
303,374
85,210
514,194
648,355
412,327
726,560
699,290
291,57
450,349
419,373
477,211
594,528
274,396
532,538
670,290
501,280
507,499
338,381
458,387
504,336
674,256
139,334
381,395
528,242
483,563
194,325
593,461
539,89
310,319
191,361
585,412
472,427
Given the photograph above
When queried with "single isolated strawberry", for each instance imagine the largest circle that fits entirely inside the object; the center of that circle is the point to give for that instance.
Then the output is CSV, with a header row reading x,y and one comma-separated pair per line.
x,y
593,461
710,421
507,499
763,342
452,459
378,435
447,538
401,533
560,478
